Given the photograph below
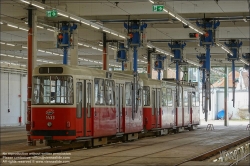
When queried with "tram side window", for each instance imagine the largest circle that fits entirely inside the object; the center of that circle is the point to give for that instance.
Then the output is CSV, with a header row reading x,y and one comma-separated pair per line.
x,y
169,97
193,99
164,96
88,100
78,99
180,98
139,94
146,96
128,94
99,91
185,98
110,92
197,103
52,90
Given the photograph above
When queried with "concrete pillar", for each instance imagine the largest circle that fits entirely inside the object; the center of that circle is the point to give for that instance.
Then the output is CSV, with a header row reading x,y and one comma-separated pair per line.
x,y
225,96
74,49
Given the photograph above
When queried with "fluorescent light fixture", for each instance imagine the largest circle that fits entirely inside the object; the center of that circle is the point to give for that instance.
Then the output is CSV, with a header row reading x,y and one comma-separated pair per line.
x,y
86,45
48,52
99,49
10,44
55,53
39,60
64,15
244,19
25,22
13,26
2,43
41,50
171,14
61,55
85,23
23,65
40,27
149,46
74,18
25,58
184,23
37,6
243,61
95,27
80,58
10,56
151,1
100,62
85,59
50,30
114,34
18,57
1,22
3,54
95,62
50,62
25,1
94,48
24,47
80,44
178,18
90,61
45,61
122,36
23,29
165,10
100,45
106,31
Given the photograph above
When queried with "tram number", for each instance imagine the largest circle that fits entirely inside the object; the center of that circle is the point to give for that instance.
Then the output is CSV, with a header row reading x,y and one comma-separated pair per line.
x,y
50,117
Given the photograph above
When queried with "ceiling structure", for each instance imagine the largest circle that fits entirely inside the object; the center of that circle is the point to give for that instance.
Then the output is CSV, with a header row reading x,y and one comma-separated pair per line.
x,y
162,28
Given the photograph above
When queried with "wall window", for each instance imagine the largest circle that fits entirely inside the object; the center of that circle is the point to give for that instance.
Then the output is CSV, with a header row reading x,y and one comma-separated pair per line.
x,y
53,90
146,96
79,100
169,97
110,92
128,94
99,91
164,96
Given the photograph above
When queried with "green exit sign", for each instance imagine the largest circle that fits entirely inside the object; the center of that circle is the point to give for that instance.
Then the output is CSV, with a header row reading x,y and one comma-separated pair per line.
x,y
51,13
158,8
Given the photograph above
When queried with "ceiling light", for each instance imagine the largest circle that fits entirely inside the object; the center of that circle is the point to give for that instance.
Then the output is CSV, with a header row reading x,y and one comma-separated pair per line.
x,y
85,23
165,10
151,1
39,60
45,61
55,53
61,55
90,61
74,18
94,48
24,47
85,59
114,34
3,54
80,44
245,19
37,6
25,58
12,26
25,22
178,18
122,36
48,52
106,31
18,57
64,15
2,43
40,27
50,30
184,23
25,2
99,49
10,44
171,14
23,29
1,22
86,45
50,62
10,56
41,50
95,27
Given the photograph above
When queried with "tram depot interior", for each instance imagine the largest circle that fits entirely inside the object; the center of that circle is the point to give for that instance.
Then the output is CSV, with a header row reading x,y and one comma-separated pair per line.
x,y
200,45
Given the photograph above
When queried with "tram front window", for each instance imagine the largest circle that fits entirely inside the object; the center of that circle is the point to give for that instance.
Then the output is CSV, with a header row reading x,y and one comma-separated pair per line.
x,y
53,90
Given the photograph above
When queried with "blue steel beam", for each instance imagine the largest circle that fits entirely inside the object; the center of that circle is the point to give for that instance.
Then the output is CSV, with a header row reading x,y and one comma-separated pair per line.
x,y
159,64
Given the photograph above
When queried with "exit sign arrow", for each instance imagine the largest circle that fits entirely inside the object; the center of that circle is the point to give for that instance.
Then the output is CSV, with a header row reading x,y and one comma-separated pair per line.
x,y
51,13
158,8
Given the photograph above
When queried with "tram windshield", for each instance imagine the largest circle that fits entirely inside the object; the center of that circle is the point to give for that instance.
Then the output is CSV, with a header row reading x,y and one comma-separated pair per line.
x,y
53,90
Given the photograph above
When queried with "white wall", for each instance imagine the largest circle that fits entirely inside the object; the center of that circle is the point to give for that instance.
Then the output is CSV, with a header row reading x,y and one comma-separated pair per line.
x,y
15,102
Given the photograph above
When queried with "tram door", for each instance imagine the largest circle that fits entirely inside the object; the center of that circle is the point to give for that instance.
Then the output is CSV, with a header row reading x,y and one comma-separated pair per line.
x,y
119,105
156,107
83,107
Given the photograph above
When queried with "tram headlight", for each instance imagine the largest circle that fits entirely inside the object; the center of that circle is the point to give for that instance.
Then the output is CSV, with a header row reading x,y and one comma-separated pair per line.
x,y
49,124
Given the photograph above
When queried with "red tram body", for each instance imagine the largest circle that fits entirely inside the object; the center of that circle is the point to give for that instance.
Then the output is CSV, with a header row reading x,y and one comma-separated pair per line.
x,y
71,103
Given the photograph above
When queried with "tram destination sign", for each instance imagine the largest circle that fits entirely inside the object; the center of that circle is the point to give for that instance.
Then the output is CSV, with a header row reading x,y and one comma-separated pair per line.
x,y
158,8
51,13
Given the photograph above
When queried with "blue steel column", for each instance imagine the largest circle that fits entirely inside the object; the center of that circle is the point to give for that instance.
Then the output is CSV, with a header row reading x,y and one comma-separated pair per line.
x,y
234,47
65,56
135,59
207,41
159,64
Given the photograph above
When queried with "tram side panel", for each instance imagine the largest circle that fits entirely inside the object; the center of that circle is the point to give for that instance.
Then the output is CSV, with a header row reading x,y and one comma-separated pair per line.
x,y
196,108
186,107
